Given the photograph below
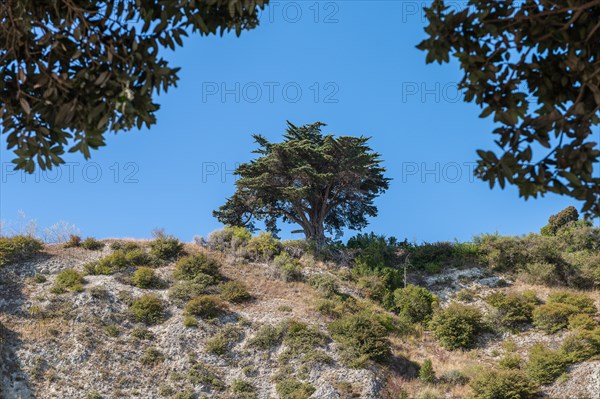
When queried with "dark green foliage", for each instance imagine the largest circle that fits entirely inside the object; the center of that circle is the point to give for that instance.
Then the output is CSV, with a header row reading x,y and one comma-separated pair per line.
x,y
267,337
426,372
582,322
552,317
243,389
457,326
300,338
582,345
545,365
540,82
325,284
560,220
148,309
68,280
510,361
145,277
582,302
362,338
432,257
291,388
105,74
502,384
196,267
183,292
151,357
376,250
16,248
165,247
92,244
118,261
263,246
235,292
414,302
205,306
513,309
201,374
287,268
320,182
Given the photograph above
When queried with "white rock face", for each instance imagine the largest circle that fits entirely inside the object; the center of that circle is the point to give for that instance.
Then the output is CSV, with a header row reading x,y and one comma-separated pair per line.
x,y
583,382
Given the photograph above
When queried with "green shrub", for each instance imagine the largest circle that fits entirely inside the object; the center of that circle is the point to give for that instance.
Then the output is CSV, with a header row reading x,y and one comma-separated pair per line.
x,y
94,395
68,280
362,338
581,346
560,220
502,384
205,306
263,246
429,394
16,248
510,361
552,317
166,247
201,374
582,322
267,337
148,309
291,388
117,261
432,256
190,321
235,292
454,377
426,372
324,284
456,326
217,345
196,267
545,365
513,309
181,293
231,237
145,277
376,251
414,302
300,338
151,357
295,248
288,268
142,333
543,273
503,253
582,302
92,244
243,389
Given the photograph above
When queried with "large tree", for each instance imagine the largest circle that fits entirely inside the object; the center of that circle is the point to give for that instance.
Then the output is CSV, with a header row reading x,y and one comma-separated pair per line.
x,y
535,66
74,69
321,182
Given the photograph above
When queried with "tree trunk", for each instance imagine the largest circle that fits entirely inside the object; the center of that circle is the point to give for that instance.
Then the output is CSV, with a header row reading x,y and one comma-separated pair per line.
x,y
315,233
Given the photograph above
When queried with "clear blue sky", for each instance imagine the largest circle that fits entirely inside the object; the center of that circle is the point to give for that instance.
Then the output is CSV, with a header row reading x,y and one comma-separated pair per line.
x,y
358,70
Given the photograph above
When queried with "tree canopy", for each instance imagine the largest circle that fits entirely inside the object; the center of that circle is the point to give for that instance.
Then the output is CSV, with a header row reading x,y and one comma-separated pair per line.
x,y
321,182
535,66
74,69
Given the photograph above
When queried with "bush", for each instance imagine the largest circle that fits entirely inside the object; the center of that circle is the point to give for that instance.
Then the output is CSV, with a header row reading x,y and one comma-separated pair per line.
x,y
503,384
362,338
73,242
432,256
513,309
376,251
92,244
151,357
454,377
235,292
545,365
582,302
263,246
205,306
243,389
68,280
426,372
582,322
302,339
180,293
148,309
560,220
456,326
581,346
267,337
231,237
552,317
118,261
429,394
324,284
166,247
291,388
145,277
17,248
288,268
196,267
414,302
510,361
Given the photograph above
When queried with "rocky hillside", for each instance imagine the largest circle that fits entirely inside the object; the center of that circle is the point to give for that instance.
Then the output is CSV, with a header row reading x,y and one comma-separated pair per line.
x,y
141,319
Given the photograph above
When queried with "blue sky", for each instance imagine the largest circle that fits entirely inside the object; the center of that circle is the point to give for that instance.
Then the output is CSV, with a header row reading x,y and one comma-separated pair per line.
x,y
350,64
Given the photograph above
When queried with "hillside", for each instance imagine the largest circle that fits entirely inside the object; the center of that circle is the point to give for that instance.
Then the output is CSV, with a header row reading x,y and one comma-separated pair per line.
x,y
251,317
